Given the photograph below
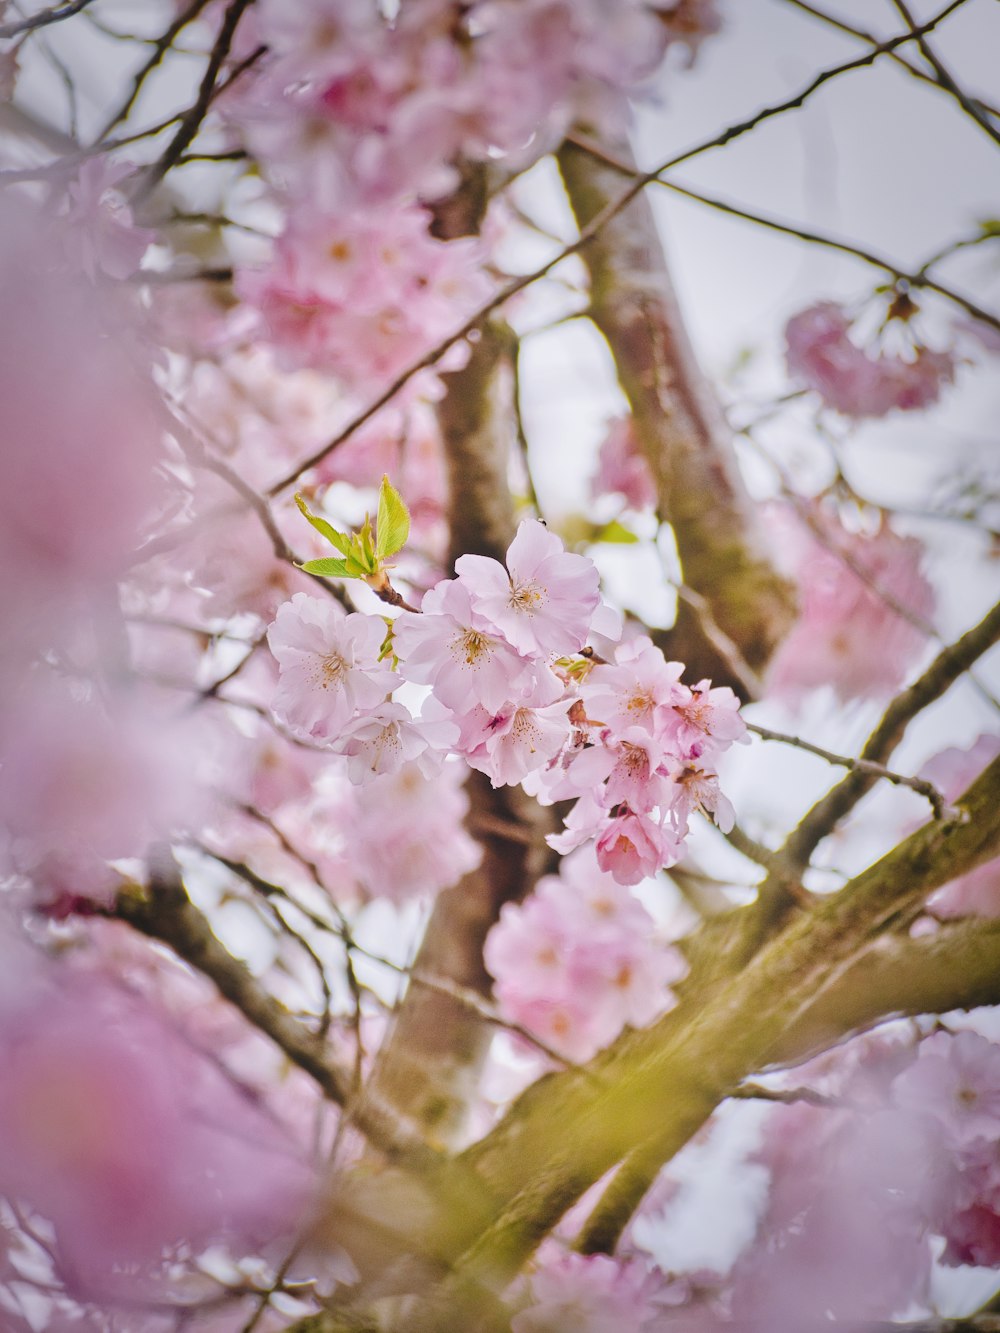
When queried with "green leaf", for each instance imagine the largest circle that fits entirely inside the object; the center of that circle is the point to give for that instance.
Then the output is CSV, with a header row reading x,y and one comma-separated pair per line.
x,y
393,526
618,533
335,538
363,546
328,569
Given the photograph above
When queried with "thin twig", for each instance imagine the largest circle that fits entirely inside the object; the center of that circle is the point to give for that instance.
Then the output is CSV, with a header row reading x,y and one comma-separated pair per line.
x,y
914,278
835,21
942,809
42,20
790,1096
971,108
952,662
162,45
190,122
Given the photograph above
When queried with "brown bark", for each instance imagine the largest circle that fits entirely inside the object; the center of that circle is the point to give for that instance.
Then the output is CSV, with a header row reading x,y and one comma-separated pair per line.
x,y
430,1065
681,429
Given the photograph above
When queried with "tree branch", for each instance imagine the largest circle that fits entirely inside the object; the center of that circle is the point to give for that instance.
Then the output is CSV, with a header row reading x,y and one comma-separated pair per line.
x,y
680,428
167,914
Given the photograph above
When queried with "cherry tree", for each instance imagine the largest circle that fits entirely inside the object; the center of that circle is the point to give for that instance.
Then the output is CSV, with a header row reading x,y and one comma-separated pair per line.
x,y
499,825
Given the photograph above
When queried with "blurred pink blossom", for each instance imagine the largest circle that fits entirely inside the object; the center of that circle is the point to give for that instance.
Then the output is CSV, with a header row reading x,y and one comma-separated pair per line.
x,y
821,354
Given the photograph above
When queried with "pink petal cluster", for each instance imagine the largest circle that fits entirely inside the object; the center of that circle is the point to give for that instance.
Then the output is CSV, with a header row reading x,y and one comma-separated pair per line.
x,y
329,666
494,648
361,296
406,837
101,234
57,330
592,1293
955,1084
622,468
350,108
128,1142
821,355
578,960
82,784
645,758
848,636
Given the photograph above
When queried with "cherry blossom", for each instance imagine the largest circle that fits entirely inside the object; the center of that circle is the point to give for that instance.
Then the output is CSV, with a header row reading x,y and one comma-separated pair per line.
x,y
543,601
956,1079
633,845
455,650
622,468
524,735
593,1294
129,1143
329,665
577,960
100,231
855,590
821,353
637,688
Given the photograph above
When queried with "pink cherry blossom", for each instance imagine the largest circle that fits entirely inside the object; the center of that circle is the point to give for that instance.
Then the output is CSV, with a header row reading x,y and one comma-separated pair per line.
x,y
821,354
636,688
956,1079
578,959
633,846
698,789
704,723
543,601
329,665
127,1142
842,615
524,735
383,740
622,468
978,892
452,648
82,784
629,765
422,846
591,1294
101,234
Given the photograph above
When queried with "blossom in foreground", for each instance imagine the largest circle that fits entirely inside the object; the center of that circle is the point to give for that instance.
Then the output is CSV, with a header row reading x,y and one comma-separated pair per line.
x,y
592,1293
543,601
329,664
452,648
128,1142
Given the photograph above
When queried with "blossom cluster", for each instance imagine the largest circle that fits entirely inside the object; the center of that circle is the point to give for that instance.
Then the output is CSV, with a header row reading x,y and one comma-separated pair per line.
x,y
579,959
361,296
855,590
351,108
596,1293
129,1141
358,121
906,1150
978,892
633,746
823,356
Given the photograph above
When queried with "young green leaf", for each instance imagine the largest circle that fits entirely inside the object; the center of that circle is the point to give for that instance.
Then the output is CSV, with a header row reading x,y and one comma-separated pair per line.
x,y
364,546
393,526
329,569
335,538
